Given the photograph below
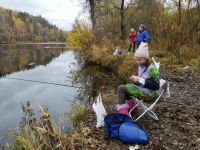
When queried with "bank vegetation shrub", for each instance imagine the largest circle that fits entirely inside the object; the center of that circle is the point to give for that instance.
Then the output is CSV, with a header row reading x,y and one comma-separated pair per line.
x,y
43,134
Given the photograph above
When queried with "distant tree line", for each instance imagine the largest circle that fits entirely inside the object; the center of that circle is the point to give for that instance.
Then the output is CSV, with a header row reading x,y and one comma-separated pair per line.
x,y
22,27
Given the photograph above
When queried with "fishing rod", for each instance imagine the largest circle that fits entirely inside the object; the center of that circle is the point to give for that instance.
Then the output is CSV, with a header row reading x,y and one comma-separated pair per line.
x,y
43,82
52,83
79,87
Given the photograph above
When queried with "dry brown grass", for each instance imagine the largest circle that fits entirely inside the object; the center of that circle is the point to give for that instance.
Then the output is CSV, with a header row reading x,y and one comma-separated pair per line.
x,y
44,134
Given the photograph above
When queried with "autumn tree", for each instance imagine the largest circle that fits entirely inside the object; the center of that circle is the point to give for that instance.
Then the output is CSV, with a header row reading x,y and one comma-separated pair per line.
x,y
20,26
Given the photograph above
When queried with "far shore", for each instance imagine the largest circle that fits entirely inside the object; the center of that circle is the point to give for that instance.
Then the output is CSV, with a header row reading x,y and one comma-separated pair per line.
x,y
30,43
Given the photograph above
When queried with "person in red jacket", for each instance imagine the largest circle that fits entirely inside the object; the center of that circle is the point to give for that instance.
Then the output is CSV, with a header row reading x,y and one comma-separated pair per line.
x,y
132,38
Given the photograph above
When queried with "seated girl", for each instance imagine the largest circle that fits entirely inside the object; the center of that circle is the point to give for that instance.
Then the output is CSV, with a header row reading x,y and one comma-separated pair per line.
x,y
144,85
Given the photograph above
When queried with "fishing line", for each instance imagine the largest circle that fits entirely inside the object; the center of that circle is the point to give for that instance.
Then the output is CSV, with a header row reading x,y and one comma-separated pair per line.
x,y
79,87
52,83
43,82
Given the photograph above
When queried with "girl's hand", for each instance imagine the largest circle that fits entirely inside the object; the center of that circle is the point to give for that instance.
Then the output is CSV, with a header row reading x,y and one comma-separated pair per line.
x,y
134,78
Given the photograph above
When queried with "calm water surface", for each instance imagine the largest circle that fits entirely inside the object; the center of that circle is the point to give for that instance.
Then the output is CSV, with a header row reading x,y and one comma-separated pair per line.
x,y
46,63
34,63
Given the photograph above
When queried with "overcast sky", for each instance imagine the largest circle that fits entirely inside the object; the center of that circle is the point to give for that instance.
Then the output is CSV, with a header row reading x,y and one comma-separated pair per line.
x,y
59,12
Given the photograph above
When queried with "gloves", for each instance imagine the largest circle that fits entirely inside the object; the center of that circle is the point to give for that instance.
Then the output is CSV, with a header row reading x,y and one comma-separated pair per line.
x,y
134,78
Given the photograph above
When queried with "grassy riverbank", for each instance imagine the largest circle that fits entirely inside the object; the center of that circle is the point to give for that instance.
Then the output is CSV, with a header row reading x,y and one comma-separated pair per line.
x,y
42,133
100,52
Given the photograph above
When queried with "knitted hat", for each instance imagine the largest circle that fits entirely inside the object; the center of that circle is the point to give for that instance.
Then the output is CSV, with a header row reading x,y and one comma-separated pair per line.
x,y
132,29
142,51
142,26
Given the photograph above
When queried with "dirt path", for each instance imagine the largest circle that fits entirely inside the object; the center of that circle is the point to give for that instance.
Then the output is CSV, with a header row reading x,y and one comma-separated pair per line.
x,y
179,124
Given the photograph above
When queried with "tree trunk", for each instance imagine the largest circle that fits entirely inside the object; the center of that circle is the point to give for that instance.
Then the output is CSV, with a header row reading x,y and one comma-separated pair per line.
x,y
92,14
122,26
198,8
179,12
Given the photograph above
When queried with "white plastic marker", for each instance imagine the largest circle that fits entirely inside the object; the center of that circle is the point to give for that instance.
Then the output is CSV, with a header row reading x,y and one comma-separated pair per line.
x,y
136,147
116,51
167,94
100,111
157,64
162,82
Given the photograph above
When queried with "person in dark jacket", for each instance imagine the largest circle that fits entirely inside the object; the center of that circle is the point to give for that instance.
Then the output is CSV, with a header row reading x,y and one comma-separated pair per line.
x,y
142,35
144,85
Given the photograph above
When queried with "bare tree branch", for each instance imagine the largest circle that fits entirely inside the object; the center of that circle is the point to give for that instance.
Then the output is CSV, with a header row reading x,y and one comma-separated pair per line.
x,y
130,4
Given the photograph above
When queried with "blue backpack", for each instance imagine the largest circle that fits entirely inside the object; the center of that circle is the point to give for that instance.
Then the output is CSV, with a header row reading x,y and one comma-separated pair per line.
x,y
122,127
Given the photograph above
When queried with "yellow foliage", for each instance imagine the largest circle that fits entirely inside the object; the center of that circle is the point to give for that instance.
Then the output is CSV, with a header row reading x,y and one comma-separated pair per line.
x,y
81,37
127,67
38,38
19,25
22,143
109,98
102,56
2,10
195,64
24,61
79,114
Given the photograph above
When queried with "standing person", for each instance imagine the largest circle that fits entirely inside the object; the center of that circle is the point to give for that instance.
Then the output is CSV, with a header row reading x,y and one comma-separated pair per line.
x,y
132,38
142,35
144,85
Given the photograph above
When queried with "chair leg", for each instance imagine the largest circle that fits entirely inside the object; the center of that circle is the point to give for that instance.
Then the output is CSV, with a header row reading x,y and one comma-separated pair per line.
x,y
133,109
138,103
140,116
153,115
146,109
150,113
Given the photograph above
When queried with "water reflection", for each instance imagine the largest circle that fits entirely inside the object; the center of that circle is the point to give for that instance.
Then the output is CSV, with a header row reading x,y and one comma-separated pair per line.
x,y
93,79
57,98
20,57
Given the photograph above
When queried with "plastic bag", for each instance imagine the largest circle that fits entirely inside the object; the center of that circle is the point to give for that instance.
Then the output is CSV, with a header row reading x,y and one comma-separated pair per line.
x,y
100,111
134,147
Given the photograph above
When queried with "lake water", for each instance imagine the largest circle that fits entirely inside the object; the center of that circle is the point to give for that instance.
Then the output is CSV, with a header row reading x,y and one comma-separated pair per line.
x,y
47,63
34,63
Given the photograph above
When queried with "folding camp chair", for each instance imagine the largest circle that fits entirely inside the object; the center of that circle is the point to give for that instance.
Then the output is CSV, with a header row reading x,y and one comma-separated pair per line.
x,y
164,86
148,109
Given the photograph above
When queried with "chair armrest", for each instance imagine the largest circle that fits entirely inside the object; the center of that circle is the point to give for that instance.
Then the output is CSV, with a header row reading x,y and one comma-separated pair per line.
x,y
163,84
